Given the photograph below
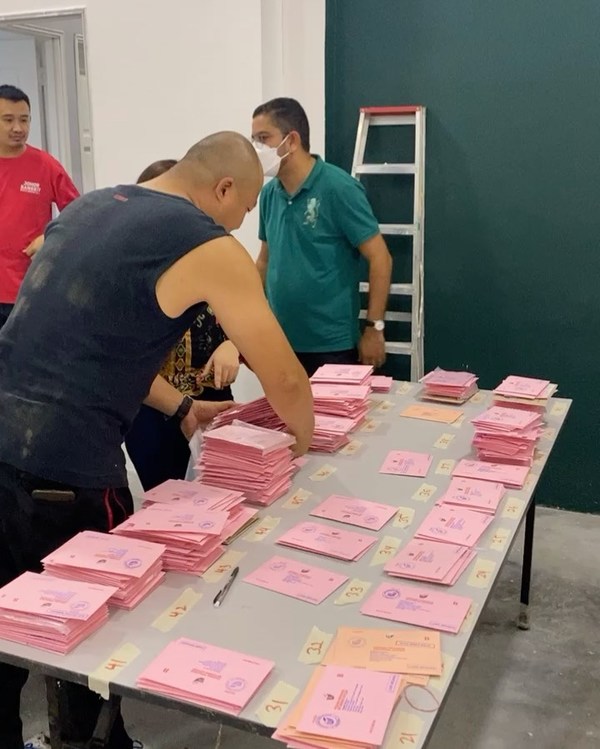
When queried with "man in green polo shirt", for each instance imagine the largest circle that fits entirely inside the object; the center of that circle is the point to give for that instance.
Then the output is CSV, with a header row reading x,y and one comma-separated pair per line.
x,y
315,223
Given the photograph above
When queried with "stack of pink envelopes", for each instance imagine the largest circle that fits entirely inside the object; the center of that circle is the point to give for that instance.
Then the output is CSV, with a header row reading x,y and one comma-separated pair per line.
x,y
381,384
258,412
192,536
430,561
343,374
524,392
342,708
453,387
473,494
512,476
52,614
507,435
331,432
249,459
328,540
206,675
133,567
210,498
350,401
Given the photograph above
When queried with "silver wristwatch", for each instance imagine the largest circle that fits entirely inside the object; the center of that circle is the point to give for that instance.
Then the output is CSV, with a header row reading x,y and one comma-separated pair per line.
x,y
379,325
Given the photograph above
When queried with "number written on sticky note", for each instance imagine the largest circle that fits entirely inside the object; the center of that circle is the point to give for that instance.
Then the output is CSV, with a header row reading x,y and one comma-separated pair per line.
x,y
297,499
315,646
351,448
404,517
445,467
388,546
354,592
444,442
178,609
424,492
481,576
323,473
276,703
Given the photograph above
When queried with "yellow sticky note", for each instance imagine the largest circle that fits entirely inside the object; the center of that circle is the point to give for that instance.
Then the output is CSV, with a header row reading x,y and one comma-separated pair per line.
x,y
500,539
479,397
405,730
469,620
315,646
404,388
444,442
384,407
351,448
261,530
445,467
223,566
370,425
549,433
323,473
513,508
530,482
297,499
354,591
276,704
481,575
404,517
424,492
177,610
99,679
459,422
388,546
559,409
439,683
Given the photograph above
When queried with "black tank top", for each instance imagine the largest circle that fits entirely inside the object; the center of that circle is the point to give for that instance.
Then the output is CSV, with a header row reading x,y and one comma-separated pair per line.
x,y
87,336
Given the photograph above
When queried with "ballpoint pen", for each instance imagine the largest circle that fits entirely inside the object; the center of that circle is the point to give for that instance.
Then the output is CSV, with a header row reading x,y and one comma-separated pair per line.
x,y
219,598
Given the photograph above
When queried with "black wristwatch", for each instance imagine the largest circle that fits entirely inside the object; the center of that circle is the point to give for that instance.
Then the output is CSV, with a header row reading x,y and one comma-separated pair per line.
x,y
183,410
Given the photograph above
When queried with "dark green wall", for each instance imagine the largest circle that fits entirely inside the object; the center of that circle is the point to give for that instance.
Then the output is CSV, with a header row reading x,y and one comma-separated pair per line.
x,y
512,227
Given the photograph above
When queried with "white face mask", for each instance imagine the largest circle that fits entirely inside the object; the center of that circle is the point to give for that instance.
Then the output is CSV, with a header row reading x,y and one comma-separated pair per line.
x,y
269,158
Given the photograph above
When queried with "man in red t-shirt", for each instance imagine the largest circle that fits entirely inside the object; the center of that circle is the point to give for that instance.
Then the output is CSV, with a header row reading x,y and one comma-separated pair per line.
x,y
30,182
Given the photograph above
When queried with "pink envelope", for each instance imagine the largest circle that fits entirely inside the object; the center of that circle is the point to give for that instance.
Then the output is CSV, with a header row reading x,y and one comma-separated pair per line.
x,y
354,511
358,374
509,475
522,387
381,384
206,674
351,704
47,596
179,519
296,579
454,525
328,540
427,560
482,496
423,607
406,463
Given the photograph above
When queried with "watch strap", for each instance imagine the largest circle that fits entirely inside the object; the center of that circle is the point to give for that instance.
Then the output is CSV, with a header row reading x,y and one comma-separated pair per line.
x,y
183,408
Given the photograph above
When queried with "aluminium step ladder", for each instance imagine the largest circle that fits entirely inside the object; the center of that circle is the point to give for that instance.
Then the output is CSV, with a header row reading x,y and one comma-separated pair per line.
x,y
406,116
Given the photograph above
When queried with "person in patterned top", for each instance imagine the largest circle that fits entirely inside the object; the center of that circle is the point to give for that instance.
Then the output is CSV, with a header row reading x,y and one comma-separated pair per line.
x,y
202,365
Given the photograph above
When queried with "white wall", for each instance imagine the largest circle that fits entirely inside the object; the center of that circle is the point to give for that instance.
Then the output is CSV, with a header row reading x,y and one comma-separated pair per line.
x,y
18,66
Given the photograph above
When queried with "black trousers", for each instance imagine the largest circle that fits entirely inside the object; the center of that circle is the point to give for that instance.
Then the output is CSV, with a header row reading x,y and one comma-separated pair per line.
x,y
157,446
311,361
29,530
5,310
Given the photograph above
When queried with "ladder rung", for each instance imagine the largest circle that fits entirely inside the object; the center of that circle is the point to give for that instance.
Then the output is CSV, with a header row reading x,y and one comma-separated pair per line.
x,y
390,316
396,289
405,109
404,229
399,347
393,120
385,169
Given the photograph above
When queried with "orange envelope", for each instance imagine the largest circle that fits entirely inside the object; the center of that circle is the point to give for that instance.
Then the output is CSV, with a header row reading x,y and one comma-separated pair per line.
x,y
287,731
390,650
431,413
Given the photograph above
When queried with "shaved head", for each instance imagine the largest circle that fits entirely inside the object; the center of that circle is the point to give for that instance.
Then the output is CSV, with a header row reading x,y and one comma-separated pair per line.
x,y
224,154
221,175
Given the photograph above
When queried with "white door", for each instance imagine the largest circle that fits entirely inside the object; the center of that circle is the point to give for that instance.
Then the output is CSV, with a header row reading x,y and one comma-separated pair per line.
x,y
84,116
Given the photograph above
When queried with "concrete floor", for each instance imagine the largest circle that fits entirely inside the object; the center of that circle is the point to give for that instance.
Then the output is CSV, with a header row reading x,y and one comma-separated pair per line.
x,y
532,690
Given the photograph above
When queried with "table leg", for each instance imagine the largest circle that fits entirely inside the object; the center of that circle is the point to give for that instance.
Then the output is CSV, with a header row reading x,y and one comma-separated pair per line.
x,y
108,713
53,699
527,561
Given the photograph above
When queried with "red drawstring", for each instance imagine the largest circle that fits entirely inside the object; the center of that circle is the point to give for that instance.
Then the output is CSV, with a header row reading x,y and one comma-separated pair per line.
x,y
109,512
118,501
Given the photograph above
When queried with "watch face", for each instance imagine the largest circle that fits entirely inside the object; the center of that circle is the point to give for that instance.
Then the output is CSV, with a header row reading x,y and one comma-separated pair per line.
x,y
379,325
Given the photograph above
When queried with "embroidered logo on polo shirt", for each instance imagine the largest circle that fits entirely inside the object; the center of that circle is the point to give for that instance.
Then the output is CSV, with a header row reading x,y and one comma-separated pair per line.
x,y
311,214
34,188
